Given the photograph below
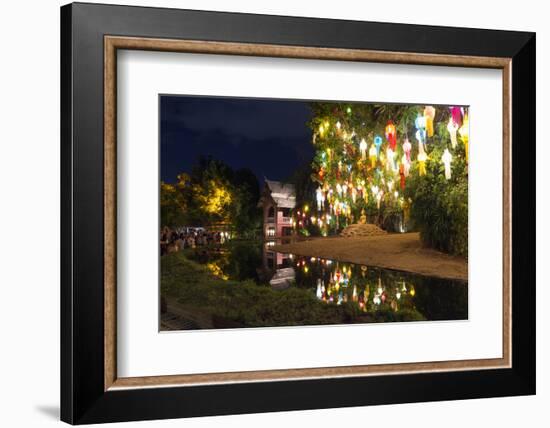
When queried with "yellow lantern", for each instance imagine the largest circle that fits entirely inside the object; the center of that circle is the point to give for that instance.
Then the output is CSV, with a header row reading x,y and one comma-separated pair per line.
x,y
429,114
422,157
363,149
464,132
373,155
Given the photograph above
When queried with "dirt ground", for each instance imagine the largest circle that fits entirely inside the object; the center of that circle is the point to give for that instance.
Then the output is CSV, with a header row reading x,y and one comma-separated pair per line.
x,y
402,251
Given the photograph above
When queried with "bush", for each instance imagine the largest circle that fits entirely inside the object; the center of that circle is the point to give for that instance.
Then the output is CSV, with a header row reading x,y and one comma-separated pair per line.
x,y
439,208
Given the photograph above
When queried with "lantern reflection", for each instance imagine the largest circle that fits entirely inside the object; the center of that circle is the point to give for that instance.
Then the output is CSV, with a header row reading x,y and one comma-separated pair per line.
x,y
371,289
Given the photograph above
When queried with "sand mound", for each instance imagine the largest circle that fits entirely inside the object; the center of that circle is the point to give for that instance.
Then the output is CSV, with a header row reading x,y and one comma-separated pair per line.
x,y
354,230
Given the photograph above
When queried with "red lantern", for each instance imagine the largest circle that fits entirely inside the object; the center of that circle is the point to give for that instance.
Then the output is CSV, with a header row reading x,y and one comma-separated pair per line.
x,y
391,135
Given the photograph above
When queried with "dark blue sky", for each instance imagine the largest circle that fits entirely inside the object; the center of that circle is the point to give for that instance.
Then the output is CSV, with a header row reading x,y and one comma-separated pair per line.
x,y
268,136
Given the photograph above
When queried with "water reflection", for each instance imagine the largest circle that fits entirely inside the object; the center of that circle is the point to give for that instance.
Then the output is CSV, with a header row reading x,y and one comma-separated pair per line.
x,y
372,289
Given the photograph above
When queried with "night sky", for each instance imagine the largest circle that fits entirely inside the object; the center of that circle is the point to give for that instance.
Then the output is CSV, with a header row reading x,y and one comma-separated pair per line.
x,y
268,136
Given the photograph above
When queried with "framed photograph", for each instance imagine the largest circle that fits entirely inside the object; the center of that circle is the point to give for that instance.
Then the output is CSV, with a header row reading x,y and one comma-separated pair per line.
x,y
266,213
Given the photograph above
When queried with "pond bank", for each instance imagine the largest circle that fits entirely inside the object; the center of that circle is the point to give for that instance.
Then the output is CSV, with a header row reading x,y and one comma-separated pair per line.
x,y
402,251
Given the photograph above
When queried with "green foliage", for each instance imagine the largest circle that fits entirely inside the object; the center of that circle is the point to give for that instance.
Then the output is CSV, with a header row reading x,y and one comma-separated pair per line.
x,y
439,207
213,193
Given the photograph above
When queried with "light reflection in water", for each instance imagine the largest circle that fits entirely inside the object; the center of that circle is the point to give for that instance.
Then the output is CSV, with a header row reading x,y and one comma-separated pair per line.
x,y
333,282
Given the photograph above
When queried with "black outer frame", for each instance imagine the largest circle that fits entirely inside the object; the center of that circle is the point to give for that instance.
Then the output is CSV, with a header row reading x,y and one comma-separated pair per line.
x,y
83,399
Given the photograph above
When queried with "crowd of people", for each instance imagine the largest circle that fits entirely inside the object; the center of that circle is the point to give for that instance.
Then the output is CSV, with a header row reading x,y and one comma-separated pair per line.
x,y
173,240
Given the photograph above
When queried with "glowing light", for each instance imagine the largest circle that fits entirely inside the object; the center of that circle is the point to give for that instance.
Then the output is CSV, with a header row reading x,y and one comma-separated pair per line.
x,y
446,159
407,149
377,144
420,124
373,154
363,148
429,114
320,199
422,157
390,163
452,127
464,132
391,135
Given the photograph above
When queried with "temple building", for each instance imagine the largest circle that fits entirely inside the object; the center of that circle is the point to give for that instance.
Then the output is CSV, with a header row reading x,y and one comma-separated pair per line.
x,y
277,201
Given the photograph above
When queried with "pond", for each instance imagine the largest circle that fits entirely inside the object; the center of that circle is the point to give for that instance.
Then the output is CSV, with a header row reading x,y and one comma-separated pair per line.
x,y
335,282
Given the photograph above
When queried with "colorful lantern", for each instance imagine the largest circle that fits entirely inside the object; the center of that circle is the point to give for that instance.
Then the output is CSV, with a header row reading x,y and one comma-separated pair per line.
x,y
373,154
420,124
407,149
391,135
363,148
464,132
446,159
456,115
452,127
354,194
378,143
379,198
402,175
320,199
390,160
406,165
422,157
429,114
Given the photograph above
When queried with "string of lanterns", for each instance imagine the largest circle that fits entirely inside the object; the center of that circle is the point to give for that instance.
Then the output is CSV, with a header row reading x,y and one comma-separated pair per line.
x,y
349,169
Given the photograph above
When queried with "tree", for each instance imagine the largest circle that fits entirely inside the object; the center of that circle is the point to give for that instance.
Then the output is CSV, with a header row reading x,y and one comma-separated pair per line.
x,y
361,165
213,193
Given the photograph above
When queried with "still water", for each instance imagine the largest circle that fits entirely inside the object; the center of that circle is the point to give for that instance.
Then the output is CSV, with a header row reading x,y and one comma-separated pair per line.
x,y
335,282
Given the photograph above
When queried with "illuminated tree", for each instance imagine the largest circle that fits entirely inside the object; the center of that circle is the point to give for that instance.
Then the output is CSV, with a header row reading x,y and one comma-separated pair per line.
x,y
372,160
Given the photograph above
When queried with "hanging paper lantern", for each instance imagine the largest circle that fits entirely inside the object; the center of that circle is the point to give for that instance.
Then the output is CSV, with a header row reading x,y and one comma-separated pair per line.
x,y
456,115
363,148
422,157
407,149
464,132
420,124
429,114
390,159
446,159
402,175
320,199
452,127
379,198
338,125
373,154
378,143
391,135
319,289
353,194
406,165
